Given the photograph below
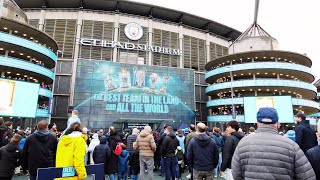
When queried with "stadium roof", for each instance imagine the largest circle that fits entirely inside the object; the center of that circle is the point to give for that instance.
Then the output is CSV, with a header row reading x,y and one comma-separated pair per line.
x,y
130,7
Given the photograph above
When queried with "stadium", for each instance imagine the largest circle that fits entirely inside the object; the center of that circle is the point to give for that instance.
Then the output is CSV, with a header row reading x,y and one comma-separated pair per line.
x,y
107,34
126,64
27,59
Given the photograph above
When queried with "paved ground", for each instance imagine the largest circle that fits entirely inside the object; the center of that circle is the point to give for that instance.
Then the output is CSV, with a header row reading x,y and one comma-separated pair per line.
x,y
156,177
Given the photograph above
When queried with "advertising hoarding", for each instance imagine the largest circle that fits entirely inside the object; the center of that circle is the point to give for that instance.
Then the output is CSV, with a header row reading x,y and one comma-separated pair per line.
x,y
18,99
283,105
108,92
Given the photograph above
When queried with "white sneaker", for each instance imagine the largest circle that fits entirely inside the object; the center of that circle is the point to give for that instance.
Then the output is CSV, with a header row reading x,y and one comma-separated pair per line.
x,y
189,176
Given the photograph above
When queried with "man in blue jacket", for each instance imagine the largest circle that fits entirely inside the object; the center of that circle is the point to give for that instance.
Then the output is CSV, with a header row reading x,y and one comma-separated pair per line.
x,y
202,154
305,136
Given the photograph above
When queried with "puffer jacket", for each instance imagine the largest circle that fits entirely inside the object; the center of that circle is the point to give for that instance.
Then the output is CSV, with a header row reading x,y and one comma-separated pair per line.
x,y
102,152
229,147
267,155
130,140
313,155
145,143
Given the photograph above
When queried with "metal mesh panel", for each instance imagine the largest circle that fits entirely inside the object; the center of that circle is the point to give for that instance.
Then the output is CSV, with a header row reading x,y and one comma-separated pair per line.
x,y
64,32
96,30
34,22
217,51
194,53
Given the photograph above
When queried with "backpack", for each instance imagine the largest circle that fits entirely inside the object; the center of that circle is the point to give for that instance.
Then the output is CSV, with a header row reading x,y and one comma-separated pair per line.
x,y
118,149
4,139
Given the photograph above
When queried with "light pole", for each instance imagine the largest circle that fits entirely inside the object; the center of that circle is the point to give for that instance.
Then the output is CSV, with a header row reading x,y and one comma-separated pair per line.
x,y
232,92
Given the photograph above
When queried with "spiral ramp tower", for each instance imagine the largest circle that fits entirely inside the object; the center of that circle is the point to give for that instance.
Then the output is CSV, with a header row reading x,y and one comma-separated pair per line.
x,y
26,55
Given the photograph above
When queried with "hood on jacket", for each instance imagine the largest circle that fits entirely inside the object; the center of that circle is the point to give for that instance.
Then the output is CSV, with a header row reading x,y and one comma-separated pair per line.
x,y
144,133
172,135
103,140
12,147
95,136
203,140
68,139
124,154
216,134
305,123
238,134
42,135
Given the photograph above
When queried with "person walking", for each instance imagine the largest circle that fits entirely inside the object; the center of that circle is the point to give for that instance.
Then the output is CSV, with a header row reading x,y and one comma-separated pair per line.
x,y
94,142
123,163
306,137
10,158
169,146
216,135
71,151
74,118
192,134
232,139
39,150
267,155
202,154
101,152
113,163
313,155
147,147
134,164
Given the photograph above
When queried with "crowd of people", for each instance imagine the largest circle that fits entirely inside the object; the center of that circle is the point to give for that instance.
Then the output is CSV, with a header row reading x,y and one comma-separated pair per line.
x,y
200,151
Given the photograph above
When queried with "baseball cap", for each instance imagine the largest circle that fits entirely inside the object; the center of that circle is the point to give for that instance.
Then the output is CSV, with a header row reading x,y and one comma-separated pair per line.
x,y
267,115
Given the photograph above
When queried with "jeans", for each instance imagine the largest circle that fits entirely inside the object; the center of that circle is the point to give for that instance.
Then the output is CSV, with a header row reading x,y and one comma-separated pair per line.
x,y
162,166
33,177
146,161
178,169
170,167
134,177
200,175
112,176
219,164
124,172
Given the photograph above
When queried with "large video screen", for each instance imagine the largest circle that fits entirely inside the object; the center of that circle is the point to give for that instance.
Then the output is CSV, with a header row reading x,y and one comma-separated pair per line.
x,y
18,99
283,105
108,92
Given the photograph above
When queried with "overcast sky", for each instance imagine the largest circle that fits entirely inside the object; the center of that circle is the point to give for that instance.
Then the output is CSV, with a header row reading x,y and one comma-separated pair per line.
x,y
294,23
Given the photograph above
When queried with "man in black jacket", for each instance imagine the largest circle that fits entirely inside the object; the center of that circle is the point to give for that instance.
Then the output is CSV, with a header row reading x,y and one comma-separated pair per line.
x,y
169,146
229,147
101,152
313,155
202,154
10,157
39,150
306,137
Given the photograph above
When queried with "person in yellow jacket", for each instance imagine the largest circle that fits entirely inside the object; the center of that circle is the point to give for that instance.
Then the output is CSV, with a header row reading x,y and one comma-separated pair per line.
x,y
71,151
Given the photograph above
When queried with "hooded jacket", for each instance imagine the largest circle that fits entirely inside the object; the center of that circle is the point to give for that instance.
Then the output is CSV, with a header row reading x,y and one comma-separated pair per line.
x,y
10,156
145,143
94,142
306,137
267,155
111,165
71,151
202,153
102,152
291,134
39,151
123,160
229,148
169,145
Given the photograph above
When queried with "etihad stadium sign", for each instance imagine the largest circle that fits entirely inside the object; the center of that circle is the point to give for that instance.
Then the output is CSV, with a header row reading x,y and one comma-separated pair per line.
x,y
128,46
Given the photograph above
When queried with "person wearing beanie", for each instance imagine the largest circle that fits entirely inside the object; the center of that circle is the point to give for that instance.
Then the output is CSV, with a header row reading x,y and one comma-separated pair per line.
x,y
267,155
306,137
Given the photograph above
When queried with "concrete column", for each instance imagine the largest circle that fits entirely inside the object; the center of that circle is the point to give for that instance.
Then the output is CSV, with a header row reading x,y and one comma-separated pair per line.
x,y
208,47
41,20
2,74
181,45
75,59
254,76
150,37
255,93
115,36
